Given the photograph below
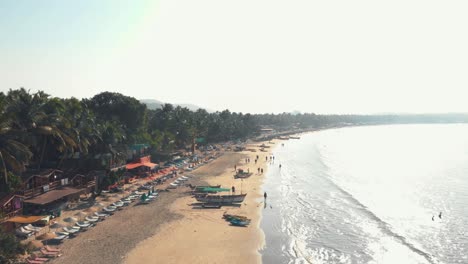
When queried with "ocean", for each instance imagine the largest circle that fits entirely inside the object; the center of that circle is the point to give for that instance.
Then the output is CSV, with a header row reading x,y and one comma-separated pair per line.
x,y
375,194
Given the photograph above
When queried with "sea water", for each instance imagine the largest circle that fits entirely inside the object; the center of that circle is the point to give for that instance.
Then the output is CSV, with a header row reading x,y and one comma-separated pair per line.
x,y
369,195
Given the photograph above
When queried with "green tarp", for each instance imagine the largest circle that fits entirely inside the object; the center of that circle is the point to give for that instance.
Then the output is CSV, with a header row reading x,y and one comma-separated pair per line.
x,y
209,189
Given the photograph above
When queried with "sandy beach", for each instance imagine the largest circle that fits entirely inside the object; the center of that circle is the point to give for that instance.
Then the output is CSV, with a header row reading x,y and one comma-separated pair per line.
x,y
171,230
202,235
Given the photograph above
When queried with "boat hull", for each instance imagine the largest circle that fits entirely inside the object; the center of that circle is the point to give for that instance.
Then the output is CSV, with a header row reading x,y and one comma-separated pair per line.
x,y
221,199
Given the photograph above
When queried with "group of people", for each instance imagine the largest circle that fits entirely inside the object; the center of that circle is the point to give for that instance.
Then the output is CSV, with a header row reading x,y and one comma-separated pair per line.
x,y
440,216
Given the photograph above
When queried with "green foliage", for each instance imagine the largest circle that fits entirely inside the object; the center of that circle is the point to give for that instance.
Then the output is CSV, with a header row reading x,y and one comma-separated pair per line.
x,y
10,248
36,129
13,183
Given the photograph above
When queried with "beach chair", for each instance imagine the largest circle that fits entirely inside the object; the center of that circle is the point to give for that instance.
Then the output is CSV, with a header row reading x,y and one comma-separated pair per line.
x,y
71,230
101,215
60,236
36,257
49,254
20,232
51,249
92,219
32,228
109,209
83,225
118,204
33,261
126,202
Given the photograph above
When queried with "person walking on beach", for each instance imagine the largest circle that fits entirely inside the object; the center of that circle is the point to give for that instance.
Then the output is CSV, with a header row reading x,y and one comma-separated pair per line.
x,y
235,167
280,166
261,170
258,170
265,195
266,158
440,215
233,189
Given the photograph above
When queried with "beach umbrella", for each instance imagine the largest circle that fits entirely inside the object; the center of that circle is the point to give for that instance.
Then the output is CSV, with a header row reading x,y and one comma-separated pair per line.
x,y
35,244
46,236
70,219
90,210
56,225
81,214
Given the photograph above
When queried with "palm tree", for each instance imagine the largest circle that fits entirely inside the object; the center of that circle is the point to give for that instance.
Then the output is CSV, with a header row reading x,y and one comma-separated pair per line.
x,y
14,155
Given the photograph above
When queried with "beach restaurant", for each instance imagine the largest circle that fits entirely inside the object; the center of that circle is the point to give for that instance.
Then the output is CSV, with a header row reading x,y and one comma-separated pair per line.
x,y
47,192
142,166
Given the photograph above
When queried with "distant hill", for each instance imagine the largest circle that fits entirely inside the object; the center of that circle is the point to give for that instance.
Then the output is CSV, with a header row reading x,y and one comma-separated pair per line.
x,y
156,104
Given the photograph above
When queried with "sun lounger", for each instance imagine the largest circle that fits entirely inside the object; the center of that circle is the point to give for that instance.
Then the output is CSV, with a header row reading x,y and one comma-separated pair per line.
x,y
118,204
51,249
172,186
92,219
109,209
101,215
34,257
33,261
60,236
71,230
32,228
82,224
49,254
23,233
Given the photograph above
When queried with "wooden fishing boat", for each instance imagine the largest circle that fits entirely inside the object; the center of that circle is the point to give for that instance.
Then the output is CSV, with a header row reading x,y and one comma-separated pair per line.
x,y
230,217
242,174
209,190
221,199
237,222
195,187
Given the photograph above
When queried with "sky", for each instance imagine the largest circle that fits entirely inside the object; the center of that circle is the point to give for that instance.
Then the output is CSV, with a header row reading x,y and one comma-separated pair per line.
x,y
257,56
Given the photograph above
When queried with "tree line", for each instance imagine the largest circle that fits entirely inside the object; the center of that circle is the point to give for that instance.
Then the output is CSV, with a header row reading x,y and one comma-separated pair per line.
x,y
39,131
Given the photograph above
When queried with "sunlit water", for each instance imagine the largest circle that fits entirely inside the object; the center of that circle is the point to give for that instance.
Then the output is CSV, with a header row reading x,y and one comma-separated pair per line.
x,y
368,195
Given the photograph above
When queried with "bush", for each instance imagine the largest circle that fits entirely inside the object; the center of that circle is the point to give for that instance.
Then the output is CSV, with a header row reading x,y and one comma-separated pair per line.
x,y
10,248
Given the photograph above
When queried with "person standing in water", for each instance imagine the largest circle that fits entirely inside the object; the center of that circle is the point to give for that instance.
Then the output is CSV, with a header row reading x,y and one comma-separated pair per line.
x,y
440,215
280,166
265,195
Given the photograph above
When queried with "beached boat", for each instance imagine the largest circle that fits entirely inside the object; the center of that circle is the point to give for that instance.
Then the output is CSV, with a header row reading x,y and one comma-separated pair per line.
x,y
203,186
206,190
229,217
222,199
237,222
242,174
291,137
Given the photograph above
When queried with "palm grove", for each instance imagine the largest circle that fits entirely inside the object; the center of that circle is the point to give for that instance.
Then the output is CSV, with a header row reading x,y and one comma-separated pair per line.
x,y
39,131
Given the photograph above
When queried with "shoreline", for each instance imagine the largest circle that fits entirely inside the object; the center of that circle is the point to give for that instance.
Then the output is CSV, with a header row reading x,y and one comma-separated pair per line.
x,y
201,235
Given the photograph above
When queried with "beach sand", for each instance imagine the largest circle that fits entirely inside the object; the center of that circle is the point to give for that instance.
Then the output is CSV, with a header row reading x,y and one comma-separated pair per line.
x,y
202,235
168,230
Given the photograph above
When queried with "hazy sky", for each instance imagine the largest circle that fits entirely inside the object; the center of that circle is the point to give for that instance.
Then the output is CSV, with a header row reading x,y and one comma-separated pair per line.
x,y
245,55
